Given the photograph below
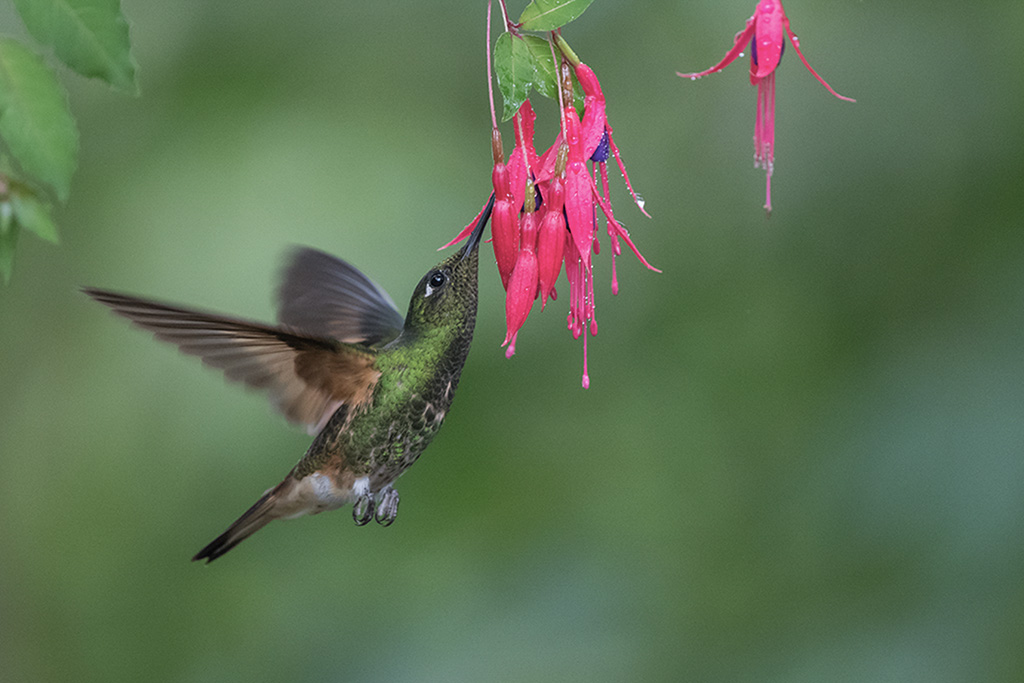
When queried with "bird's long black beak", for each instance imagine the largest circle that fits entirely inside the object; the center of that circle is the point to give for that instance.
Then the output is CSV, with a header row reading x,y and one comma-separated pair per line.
x,y
474,237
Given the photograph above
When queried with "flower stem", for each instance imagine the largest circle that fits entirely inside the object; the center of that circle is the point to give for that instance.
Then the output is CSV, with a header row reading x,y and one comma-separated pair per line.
x,y
509,26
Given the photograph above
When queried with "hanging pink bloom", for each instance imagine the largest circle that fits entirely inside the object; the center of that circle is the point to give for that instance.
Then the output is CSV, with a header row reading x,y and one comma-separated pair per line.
x,y
765,32
505,218
552,235
522,285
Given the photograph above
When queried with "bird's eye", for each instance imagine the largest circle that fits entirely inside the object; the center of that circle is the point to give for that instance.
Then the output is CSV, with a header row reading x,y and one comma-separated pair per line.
x,y
436,280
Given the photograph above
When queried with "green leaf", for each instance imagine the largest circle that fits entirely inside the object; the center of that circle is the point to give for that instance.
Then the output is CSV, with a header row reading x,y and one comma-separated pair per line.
x,y
547,15
546,79
32,214
34,119
514,69
90,36
8,240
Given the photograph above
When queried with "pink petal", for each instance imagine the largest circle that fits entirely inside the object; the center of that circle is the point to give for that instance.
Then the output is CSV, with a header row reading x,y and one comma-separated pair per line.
x,y
742,38
518,162
579,202
522,290
505,234
551,241
620,231
465,232
595,117
625,176
796,45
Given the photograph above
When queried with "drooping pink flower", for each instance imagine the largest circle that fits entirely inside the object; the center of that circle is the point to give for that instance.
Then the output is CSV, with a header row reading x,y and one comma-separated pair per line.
x,y
765,32
505,218
551,238
523,283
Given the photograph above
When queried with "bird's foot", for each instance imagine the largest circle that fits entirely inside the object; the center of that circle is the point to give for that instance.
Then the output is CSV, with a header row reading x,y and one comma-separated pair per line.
x,y
387,506
362,509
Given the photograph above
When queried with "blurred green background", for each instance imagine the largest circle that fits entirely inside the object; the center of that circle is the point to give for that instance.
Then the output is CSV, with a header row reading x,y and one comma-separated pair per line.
x,y
800,458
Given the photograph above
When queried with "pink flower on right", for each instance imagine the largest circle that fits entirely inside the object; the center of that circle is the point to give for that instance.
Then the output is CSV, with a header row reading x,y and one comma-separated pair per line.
x,y
764,32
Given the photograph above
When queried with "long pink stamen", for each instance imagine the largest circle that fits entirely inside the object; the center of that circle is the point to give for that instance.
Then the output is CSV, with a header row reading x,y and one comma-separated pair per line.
x,y
764,134
586,373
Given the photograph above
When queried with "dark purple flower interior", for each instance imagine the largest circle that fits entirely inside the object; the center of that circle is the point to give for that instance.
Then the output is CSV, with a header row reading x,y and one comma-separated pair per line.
x,y
600,154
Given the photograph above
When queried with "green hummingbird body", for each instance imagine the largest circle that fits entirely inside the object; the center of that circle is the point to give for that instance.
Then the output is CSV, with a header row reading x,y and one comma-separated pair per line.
x,y
418,374
372,387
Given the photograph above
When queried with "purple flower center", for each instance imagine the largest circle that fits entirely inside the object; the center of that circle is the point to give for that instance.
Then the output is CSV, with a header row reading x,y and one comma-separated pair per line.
x,y
600,154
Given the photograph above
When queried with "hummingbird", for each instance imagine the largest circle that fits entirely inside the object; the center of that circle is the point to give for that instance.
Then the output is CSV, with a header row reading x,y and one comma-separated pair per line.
x,y
371,386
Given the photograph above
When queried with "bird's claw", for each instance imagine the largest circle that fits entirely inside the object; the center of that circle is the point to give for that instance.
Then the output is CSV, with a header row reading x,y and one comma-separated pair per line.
x,y
387,506
362,510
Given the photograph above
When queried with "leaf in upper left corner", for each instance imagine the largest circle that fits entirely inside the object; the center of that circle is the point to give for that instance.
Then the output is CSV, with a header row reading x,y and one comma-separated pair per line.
x,y
35,122
547,15
90,36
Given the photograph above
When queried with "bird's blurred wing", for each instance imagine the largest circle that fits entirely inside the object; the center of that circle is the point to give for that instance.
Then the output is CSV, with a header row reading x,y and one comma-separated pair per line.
x,y
308,378
326,297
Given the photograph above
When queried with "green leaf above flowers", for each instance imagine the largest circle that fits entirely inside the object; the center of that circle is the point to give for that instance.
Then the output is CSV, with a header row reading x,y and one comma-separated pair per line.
x,y
90,36
546,80
547,15
515,71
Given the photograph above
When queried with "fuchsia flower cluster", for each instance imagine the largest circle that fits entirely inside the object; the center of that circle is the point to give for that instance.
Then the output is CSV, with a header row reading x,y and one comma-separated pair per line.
x,y
545,207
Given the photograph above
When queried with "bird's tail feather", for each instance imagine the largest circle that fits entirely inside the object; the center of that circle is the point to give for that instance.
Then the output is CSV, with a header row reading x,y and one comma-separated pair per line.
x,y
254,519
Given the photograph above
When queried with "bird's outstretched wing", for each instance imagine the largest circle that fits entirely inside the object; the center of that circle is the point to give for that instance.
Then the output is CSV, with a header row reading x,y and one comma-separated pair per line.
x,y
326,297
308,377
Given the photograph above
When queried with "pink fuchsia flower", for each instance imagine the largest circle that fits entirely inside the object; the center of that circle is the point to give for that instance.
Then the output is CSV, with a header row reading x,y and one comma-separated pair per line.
x,y
582,196
765,32
523,283
505,217
552,235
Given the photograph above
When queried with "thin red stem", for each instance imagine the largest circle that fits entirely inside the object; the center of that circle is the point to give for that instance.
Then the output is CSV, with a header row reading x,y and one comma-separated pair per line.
x,y
509,26
556,62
